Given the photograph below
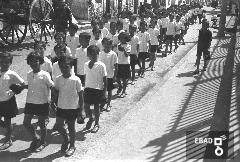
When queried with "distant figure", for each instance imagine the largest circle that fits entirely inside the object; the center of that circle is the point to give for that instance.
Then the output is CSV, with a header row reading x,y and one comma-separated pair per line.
x,y
204,43
62,16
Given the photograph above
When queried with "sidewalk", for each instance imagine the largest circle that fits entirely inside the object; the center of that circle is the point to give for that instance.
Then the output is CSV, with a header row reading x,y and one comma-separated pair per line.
x,y
156,132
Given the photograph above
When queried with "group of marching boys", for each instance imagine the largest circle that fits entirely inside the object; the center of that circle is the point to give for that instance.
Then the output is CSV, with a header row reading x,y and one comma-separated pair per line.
x,y
81,71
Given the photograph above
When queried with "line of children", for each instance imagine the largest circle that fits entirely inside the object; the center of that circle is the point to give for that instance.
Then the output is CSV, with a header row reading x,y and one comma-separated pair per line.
x,y
100,61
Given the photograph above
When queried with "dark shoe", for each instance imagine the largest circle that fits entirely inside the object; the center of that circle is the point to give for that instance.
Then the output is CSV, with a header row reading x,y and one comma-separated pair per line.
x,y
109,107
80,120
70,151
183,43
119,90
102,107
34,144
95,128
64,146
196,72
6,145
41,147
89,124
152,69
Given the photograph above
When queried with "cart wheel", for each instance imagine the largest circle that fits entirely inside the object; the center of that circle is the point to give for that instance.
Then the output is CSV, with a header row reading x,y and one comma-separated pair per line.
x,y
40,22
12,30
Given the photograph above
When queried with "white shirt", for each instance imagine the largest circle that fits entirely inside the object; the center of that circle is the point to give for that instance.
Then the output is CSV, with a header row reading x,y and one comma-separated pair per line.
x,y
159,23
154,33
94,76
144,39
68,52
109,59
97,43
179,26
165,21
72,42
125,24
171,28
122,59
39,87
47,65
6,80
114,38
57,71
81,55
134,42
104,32
68,91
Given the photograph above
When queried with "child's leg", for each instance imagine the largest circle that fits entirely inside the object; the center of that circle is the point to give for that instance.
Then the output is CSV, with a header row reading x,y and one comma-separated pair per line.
x,y
133,71
119,85
72,131
143,66
97,113
27,123
8,142
60,122
42,124
9,128
90,115
109,97
124,86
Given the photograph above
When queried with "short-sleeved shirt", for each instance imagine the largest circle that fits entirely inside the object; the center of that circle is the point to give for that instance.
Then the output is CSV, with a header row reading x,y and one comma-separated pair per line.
x,y
104,32
57,71
171,28
144,38
39,87
114,38
97,43
47,65
165,21
6,80
134,42
109,59
81,55
122,59
68,52
68,88
72,42
154,33
94,76
179,26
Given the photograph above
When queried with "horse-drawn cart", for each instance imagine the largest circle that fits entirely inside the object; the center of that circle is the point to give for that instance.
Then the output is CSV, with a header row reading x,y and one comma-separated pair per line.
x,y
17,16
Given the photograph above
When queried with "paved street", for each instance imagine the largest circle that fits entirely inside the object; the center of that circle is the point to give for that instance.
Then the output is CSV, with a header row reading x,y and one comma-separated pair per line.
x,y
150,123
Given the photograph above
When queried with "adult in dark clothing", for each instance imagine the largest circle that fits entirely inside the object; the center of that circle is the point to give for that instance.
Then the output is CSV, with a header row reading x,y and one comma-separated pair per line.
x,y
204,43
62,16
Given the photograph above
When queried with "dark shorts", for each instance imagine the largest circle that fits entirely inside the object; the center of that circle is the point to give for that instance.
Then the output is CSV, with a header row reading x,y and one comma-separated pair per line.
x,y
142,55
123,71
177,36
163,31
37,109
82,78
110,85
153,48
8,108
169,38
67,114
133,59
94,96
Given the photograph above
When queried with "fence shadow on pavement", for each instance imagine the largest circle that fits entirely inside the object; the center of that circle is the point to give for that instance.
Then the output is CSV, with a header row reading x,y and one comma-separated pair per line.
x,y
197,111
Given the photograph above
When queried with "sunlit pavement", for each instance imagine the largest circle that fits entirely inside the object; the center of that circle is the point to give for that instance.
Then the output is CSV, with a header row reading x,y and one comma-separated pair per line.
x,y
151,122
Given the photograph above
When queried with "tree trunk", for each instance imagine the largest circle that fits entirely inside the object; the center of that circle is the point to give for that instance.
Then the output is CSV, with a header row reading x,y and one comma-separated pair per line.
x,y
223,18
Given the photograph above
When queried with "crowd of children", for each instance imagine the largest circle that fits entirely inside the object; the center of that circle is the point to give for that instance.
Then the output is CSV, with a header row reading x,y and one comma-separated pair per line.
x,y
81,71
